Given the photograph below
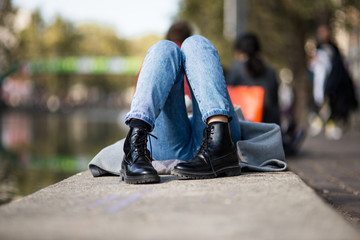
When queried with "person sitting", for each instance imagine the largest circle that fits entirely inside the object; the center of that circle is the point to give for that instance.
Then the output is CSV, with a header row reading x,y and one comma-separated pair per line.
x,y
214,141
206,140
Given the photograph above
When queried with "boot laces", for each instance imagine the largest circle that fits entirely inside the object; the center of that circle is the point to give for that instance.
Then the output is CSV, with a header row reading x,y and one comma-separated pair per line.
x,y
205,143
204,147
140,146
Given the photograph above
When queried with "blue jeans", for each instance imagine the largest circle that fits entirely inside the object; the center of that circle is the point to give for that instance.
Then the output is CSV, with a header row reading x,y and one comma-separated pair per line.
x,y
159,97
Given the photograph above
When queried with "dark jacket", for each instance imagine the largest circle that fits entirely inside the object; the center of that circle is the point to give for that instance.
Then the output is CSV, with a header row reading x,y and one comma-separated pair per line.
x,y
339,87
238,76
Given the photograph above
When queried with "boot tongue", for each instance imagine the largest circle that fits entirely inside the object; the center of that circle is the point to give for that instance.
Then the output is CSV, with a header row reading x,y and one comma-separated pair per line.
x,y
218,132
138,134
211,127
138,140
216,123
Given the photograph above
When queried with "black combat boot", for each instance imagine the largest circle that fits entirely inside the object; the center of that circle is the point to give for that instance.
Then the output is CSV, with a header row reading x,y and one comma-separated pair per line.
x,y
136,166
216,156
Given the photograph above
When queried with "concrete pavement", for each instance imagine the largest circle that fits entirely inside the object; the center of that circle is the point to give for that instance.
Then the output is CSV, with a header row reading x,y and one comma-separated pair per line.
x,y
250,206
332,169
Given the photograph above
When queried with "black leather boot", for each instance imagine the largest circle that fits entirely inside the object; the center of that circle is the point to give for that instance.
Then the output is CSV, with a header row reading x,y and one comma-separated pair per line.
x,y
136,166
216,156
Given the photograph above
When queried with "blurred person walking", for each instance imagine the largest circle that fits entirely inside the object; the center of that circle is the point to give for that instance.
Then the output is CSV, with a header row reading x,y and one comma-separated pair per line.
x,y
333,89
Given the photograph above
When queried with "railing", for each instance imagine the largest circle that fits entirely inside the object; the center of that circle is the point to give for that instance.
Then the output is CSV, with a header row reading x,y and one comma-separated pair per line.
x,y
87,65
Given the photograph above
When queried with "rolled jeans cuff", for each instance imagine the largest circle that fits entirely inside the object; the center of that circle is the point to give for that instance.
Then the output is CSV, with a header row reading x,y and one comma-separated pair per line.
x,y
140,116
216,112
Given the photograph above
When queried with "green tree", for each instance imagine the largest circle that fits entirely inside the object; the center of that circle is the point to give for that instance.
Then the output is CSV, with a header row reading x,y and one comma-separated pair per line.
x,y
31,44
140,46
208,20
60,38
99,40
8,41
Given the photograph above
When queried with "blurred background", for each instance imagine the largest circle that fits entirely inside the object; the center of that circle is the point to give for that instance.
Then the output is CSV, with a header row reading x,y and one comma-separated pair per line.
x,y
68,68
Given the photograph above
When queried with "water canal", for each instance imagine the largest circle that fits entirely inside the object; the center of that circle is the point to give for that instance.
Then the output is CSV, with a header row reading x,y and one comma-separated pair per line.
x,y
39,149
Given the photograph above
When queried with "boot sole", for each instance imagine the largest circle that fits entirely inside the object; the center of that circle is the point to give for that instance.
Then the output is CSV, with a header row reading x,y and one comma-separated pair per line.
x,y
223,172
140,179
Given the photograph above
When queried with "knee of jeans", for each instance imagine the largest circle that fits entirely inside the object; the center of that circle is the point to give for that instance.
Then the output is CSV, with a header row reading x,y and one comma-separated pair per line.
x,y
194,40
166,48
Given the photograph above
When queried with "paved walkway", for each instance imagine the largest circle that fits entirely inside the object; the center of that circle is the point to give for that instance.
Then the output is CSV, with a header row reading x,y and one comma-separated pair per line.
x,y
250,206
332,169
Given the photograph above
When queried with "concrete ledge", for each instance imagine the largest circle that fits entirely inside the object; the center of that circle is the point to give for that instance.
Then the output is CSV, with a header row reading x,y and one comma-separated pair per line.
x,y
250,206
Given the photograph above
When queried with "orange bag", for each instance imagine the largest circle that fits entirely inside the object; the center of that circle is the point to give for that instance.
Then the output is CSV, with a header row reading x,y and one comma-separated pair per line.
x,y
250,99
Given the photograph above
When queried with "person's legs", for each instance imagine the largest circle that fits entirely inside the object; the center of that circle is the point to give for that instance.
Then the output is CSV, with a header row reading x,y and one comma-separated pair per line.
x,y
217,153
198,124
161,68
207,86
173,128
158,101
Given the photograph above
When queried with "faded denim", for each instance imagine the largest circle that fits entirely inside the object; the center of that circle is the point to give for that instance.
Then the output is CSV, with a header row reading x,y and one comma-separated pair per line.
x,y
159,97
